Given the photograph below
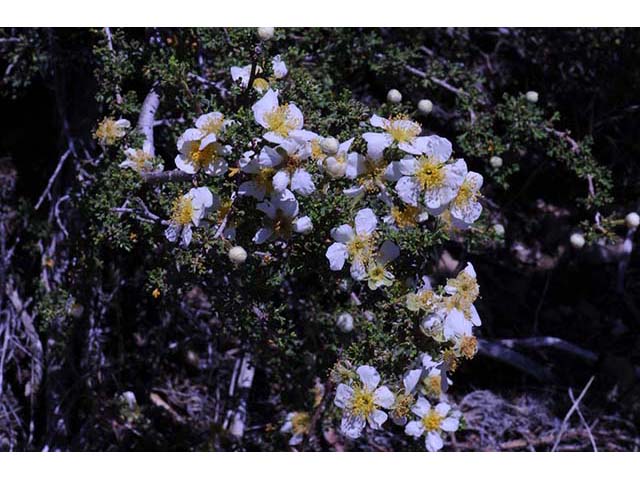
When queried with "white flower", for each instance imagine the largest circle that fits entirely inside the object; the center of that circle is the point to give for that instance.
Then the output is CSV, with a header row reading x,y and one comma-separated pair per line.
x,y
404,401
345,322
200,151
465,208
188,210
531,96
425,106
360,400
281,218
394,96
109,131
632,220
141,160
495,161
577,240
330,145
211,125
358,245
298,424
428,177
237,255
336,165
498,229
399,130
276,169
279,68
266,33
280,121
377,275
432,421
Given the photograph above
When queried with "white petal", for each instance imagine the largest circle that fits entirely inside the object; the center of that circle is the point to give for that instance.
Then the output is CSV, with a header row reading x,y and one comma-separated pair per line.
x,y
450,424
186,236
343,395
365,222
421,407
377,121
266,104
377,143
411,379
190,135
352,426
201,197
442,409
268,208
262,235
302,182
437,147
269,157
172,232
433,442
218,167
251,189
369,376
286,202
354,192
355,165
376,419
303,225
408,166
388,252
337,254
295,117
343,233
184,166
242,74
279,67
383,397
392,173
296,439
414,428
358,270
408,190
281,180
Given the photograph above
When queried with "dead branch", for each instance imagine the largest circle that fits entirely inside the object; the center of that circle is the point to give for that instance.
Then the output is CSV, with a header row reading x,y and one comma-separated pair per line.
x,y
573,408
147,118
515,359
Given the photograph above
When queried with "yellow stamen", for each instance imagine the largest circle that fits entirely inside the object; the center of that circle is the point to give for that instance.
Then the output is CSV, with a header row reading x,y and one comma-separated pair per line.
x,y
430,173
405,216
182,211
362,403
300,423
402,129
432,420
277,120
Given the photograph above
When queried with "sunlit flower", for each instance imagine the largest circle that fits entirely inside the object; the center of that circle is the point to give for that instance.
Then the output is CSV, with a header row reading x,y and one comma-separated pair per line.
x,y
425,299
212,126
399,130
141,160
429,177
432,422
370,173
280,121
463,290
188,210
109,131
201,152
465,208
358,246
359,402
243,74
298,424
282,220
377,274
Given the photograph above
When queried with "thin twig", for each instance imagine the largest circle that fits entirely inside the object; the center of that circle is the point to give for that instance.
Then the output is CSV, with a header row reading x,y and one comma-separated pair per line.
x,y
53,177
573,408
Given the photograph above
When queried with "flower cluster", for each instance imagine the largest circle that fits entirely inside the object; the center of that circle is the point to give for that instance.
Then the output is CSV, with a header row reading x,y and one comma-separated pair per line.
x,y
398,182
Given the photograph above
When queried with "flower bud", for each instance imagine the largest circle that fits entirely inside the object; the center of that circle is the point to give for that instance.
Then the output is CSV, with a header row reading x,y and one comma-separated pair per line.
x,y
345,322
329,145
632,220
498,229
394,96
495,162
238,255
531,96
425,106
266,33
577,240
335,168
303,225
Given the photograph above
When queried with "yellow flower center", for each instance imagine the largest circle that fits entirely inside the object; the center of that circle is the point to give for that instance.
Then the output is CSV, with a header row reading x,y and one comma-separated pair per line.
x,y
433,385
376,273
466,194
467,289
316,150
278,122
214,124
402,407
430,174
402,129
108,131
300,423
360,247
405,216
182,211
469,346
431,421
202,158
260,84
362,403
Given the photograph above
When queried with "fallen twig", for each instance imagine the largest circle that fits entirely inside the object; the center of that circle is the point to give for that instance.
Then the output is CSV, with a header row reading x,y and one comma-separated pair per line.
x,y
573,408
